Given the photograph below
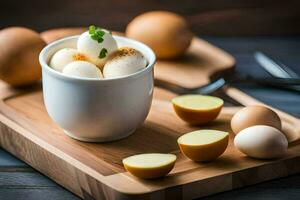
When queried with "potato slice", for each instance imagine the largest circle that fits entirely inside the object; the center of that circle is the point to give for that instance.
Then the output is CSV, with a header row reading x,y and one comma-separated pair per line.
x,y
203,145
197,109
150,165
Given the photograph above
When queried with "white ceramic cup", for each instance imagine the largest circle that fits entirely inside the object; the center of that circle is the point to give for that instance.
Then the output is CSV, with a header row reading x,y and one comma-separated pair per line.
x,y
97,110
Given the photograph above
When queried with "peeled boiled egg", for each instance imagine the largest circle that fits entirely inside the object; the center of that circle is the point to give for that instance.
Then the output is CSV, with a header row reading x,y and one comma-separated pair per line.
x,y
65,56
82,69
123,62
19,56
165,32
97,46
254,115
264,142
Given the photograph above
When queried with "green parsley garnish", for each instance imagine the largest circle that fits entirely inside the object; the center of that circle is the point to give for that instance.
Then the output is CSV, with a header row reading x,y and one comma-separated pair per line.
x,y
92,29
96,33
102,53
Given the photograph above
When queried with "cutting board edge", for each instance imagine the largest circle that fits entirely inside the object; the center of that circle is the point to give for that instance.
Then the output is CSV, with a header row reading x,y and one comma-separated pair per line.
x,y
21,137
84,181
11,129
7,133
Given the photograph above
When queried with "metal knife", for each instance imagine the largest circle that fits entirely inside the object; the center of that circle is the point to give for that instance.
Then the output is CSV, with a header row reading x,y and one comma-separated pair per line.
x,y
276,69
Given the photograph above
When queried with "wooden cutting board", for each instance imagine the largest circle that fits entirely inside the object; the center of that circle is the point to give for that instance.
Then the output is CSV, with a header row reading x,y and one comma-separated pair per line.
x,y
95,171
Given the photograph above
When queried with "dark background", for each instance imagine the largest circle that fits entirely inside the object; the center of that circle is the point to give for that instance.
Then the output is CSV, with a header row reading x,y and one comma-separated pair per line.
x,y
206,17
267,18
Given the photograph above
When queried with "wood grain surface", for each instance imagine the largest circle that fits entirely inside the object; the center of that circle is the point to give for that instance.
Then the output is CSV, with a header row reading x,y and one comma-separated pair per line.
x,y
28,132
214,17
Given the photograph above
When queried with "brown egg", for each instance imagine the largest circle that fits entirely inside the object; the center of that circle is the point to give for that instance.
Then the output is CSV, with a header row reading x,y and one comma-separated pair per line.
x,y
254,115
59,33
19,53
165,32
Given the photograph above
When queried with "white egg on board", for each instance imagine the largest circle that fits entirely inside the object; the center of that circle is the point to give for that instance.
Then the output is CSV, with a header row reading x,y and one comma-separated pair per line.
x,y
124,62
82,69
97,50
263,142
65,56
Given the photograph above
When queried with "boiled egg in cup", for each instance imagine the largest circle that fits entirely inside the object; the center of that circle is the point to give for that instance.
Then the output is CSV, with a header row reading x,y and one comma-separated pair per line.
x,y
98,44
89,105
65,56
82,69
123,62
97,50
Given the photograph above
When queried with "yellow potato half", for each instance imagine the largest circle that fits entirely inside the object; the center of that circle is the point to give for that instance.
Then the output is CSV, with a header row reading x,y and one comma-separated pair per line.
x,y
197,109
150,165
203,145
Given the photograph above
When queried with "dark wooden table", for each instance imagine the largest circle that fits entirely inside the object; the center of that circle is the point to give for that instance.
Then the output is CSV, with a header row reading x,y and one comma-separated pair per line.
x,y
20,181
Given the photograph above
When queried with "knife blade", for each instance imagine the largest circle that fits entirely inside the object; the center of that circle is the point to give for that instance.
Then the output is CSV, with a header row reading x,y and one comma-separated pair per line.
x,y
276,69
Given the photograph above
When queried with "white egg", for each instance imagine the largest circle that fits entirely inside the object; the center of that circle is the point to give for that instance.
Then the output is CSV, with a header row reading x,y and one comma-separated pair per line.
x,y
65,56
123,62
92,48
82,69
264,142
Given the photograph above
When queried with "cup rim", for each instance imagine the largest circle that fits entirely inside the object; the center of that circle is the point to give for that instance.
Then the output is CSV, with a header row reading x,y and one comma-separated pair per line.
x,y
151,58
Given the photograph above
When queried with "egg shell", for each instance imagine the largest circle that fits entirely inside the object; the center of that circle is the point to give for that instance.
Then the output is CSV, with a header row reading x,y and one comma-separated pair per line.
x,y
65,56
254,115
19,53
165,32
124,62
92,48
82,69
263,142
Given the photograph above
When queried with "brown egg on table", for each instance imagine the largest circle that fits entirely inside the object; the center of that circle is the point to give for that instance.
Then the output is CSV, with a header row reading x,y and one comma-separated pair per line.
x,y
254,115
19,53
59,33
165,32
